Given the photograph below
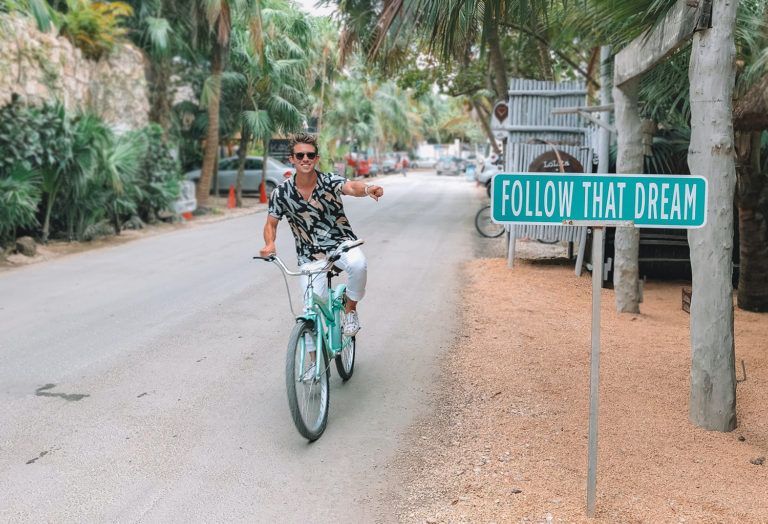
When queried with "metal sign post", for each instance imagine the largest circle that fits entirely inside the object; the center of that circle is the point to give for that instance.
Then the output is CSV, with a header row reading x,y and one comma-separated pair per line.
x,y
599,201
594,369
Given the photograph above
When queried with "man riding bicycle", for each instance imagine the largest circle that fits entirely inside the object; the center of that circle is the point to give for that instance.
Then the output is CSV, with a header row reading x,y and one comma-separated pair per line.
x,y
311,201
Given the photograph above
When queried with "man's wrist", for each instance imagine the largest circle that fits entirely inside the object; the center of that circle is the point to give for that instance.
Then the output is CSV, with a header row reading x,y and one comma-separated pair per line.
x,y
367,187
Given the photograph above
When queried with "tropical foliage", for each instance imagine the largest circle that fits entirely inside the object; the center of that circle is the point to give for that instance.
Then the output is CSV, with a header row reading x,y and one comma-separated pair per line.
x,y
94,27
19,200
70,176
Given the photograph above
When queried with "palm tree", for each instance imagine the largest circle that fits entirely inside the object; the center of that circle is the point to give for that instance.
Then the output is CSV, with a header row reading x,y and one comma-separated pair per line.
x,y
396,121
218,15
323,59
353,115
269,77
213,18
158,28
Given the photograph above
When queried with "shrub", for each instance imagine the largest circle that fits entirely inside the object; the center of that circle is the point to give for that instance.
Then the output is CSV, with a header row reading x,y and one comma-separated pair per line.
x,y
94,27
36,136
19,199
159,175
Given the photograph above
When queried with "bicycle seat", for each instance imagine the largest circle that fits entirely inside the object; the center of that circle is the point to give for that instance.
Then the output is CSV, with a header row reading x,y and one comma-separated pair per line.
x,y
335,271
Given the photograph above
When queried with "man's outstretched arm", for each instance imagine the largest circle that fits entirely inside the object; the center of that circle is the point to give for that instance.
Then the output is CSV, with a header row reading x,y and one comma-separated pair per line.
x,y
270,234
361,189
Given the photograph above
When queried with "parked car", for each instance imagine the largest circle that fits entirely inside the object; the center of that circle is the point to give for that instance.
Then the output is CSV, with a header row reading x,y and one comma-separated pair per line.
x,y
450,165
186,203
423,163
276,173
388,165
491,166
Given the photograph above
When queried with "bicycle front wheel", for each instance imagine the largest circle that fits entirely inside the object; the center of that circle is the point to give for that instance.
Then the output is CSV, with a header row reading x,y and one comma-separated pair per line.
x,y
485,226
307,381
345,361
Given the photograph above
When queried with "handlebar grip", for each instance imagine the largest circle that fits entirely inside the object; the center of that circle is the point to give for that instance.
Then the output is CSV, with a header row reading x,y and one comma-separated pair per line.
x,y
270,258
353,245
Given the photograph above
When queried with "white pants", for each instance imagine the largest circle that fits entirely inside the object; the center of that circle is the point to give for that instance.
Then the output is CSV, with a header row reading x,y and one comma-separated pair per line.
x,y
356,267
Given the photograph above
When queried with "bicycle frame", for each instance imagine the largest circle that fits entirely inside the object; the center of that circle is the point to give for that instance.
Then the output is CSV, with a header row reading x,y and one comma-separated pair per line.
x,y
326,316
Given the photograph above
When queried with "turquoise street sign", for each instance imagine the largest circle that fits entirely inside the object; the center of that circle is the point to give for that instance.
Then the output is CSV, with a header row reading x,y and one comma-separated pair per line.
x,y
653,201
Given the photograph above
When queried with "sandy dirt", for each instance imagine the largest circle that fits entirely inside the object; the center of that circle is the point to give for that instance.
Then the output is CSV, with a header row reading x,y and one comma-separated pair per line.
x,y
59,248
508,440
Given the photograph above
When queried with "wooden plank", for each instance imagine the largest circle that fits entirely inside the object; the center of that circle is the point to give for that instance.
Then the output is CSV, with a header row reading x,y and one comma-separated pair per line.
x,y
652,47
687,292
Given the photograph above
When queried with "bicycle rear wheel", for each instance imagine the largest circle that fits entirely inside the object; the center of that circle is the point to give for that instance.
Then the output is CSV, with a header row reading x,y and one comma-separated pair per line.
x,y
345,361
485,226
308,390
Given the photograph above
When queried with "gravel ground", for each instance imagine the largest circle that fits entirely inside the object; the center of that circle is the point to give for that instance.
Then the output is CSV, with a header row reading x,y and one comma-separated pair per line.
x,y
508,438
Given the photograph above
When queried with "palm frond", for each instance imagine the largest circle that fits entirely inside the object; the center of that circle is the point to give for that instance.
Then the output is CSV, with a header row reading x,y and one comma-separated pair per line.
x,y
259,123
157,34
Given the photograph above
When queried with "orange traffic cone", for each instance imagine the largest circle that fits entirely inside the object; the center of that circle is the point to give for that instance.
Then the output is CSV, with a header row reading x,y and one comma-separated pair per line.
x,y
263,193
231,203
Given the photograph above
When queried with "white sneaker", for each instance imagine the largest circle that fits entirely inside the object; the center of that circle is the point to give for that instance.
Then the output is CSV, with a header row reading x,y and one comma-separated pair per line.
x,y
351,324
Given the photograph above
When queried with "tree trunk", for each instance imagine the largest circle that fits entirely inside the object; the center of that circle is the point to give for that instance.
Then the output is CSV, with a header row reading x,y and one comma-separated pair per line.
x,y
263,185
545,60
210,154
47,221
242,153
710,154
321,109
498,64
158,78
594,66
752,186
486,126
629,160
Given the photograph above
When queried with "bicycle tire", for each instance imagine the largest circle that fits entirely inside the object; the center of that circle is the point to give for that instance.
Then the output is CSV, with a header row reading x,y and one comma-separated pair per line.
x,y
303,395
485,226
543,241
345,361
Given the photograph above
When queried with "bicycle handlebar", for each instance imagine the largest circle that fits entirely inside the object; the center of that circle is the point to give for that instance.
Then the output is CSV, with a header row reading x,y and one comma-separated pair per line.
x,y
333,257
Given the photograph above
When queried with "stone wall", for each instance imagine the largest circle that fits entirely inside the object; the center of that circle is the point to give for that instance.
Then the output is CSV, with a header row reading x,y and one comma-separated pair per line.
x,y
43,66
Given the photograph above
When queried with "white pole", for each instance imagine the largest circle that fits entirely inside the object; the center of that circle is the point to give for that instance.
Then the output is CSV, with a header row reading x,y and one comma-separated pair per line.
x,y
594,371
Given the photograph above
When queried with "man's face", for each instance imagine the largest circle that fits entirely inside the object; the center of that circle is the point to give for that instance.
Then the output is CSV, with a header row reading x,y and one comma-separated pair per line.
x,y
300,159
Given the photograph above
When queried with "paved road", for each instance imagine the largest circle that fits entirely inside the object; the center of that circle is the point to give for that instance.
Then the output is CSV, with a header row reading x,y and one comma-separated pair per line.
x,y
144,382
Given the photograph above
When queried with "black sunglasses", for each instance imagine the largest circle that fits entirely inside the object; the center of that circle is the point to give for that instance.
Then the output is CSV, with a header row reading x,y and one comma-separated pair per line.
x,y
300,156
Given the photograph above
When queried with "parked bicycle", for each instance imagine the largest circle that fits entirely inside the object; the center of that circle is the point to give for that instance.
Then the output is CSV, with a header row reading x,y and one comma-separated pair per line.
x,y
317,338
485,224
490,229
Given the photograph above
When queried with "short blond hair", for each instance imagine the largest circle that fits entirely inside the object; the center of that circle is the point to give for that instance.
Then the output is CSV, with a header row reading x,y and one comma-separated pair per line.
x,y
304,138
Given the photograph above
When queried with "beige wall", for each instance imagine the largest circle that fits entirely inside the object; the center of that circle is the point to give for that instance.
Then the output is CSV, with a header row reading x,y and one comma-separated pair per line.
x,y
42,66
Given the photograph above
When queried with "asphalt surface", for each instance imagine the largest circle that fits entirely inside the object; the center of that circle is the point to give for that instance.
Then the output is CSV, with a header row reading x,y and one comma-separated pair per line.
x,y
144,382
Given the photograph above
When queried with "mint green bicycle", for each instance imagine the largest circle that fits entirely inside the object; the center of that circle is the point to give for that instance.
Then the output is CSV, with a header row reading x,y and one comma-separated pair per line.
x,y
316,339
